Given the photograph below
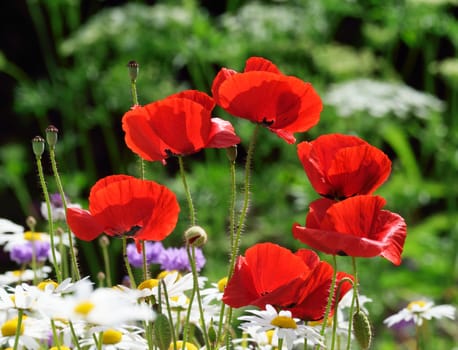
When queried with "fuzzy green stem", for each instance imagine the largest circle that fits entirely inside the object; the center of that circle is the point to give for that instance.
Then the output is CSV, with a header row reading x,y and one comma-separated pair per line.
x,y
133,285
330,298
246,201
353,300
192,213
75,269
106,262
169,314
74,336
55,336
144,262
44,188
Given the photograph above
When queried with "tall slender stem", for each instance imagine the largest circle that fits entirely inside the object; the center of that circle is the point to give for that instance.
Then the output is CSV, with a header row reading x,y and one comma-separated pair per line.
x,y
330,298
133,285
353,300
18,328
192,213
44,188
75,268
246,201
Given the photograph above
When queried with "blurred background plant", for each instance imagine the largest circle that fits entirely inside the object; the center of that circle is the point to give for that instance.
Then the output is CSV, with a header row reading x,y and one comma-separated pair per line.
x,y
387,71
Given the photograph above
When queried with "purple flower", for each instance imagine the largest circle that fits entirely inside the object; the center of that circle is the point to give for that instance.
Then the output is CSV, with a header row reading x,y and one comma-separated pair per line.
x,y
23,253
152,251
177,259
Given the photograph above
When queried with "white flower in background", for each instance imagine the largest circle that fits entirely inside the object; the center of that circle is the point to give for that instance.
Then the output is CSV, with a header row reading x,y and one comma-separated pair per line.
x,y
285,327
215,292
17,298
379,99
19,276
122,338
8,227
421,310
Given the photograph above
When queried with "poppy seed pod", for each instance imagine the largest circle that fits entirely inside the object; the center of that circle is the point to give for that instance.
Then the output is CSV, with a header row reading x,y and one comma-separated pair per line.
x,y
195,236
51,135
133,70
38,146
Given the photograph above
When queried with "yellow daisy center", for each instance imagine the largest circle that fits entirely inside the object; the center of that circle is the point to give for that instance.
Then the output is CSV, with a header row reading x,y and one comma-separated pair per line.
x,y
9,327
111,336
84,308
222,284
60,347
42,285
148,284
420,303
16,273
183,346
320,322
164,273
32,236
284,322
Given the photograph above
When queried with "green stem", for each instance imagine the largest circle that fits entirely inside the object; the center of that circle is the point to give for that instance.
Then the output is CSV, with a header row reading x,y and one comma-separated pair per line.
x,y
353,300
55,335
330,297
75,269
50,219
246,201
133,89
133,285
145,263
192,213
74,336
18,328
106,260
169,314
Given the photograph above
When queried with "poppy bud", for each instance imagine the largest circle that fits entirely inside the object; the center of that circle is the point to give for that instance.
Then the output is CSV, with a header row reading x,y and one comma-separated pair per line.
x,y
104,241
362,329
133,70
38,146
195,236
232,153
31,222
51,135
162,332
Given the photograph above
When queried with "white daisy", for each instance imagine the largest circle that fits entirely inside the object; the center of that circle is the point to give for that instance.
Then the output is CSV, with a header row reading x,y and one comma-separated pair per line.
x,y
285,326
421,310
120,338
7,228
19,276
32,332
215,292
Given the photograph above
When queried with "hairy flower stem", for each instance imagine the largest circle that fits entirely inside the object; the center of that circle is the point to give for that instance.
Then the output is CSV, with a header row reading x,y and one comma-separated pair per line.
x,y
144,262
335,321
133,285
353,300
20,313
330,298
246,201
44,188
192,213
170,318
196,292
106,262
75,269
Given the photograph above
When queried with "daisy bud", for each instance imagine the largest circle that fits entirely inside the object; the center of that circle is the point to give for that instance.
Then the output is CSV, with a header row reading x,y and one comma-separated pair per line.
x,y
195,236
232,153
51,135
133,70
162,332
362,329
104,241
38,146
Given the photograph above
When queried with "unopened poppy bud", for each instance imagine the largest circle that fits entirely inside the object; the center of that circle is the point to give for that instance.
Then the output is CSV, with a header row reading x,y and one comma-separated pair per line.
x,y
31,222
101,276
362,329
232,153
104,241
133,70
51,135
195,236
38,146
162,332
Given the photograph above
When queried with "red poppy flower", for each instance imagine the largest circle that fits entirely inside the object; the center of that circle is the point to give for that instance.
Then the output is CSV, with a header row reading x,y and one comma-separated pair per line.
x,y
270,274
180,124
341,166
124,205
262,94
356,226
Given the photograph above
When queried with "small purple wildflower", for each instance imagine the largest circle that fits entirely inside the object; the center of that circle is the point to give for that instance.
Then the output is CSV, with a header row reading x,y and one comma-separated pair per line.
x,y
23,253
152,251
177,259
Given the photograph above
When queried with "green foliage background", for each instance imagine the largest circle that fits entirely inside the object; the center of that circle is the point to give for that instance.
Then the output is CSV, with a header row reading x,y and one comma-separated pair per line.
x,y
182,44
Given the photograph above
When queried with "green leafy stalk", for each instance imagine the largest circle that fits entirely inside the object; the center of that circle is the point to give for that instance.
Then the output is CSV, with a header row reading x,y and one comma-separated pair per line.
x,y
192,213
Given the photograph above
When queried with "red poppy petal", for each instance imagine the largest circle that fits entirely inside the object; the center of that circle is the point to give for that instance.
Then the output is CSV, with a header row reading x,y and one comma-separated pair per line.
x,y
311,259
221,77
273,266
197,96
83,224
317,212
260,64
222,134
184,125
392,229
139,136
240,290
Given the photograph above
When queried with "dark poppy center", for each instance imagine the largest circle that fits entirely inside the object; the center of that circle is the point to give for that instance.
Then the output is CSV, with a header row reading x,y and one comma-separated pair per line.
x,y
266,122
133,230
